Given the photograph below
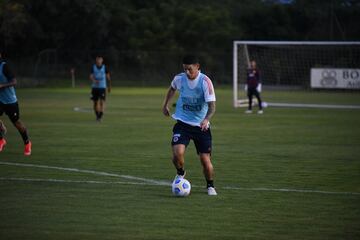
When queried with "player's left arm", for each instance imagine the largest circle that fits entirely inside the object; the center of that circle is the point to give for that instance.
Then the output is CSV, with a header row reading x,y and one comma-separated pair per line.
x,y
259,87
210,113
108,78
10,76
210,99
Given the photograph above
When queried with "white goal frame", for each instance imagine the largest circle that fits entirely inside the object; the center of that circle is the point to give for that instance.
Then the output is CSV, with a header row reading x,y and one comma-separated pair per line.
x,y
240,103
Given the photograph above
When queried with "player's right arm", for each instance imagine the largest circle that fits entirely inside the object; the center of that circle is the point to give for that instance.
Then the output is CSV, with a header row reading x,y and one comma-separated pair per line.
x,y
92,77
175,84
169,95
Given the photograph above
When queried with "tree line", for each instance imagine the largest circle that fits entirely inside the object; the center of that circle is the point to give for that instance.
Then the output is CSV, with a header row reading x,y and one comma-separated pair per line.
x,y
29,26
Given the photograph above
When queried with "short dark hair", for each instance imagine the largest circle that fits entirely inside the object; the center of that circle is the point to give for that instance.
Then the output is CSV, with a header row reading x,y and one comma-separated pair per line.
x,y
190,59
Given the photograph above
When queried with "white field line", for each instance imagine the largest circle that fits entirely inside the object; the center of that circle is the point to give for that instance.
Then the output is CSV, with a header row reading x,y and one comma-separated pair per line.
x,y
84,110
52,180
306,105
145,181
128,177
291,190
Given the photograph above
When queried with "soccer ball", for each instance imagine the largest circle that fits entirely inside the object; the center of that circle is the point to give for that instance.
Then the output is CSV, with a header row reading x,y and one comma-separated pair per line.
x,y
181,187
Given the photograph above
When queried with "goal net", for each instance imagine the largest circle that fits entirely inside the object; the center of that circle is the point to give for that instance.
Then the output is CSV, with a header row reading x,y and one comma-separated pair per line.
x,y
296,65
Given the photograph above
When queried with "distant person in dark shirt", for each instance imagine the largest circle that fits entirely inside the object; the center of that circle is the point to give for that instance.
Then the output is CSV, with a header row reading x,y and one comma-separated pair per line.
x,y
253,86
100,78
9,105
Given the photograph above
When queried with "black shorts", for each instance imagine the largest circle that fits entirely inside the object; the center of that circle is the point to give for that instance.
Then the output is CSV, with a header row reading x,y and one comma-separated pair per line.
x,y
12,110
183,133
98,93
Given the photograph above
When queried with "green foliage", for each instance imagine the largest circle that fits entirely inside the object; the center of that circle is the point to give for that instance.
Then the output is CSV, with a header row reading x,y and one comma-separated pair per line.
x,y
28,26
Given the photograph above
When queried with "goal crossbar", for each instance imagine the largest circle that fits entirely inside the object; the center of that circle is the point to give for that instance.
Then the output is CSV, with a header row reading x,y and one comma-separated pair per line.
x,y
237,102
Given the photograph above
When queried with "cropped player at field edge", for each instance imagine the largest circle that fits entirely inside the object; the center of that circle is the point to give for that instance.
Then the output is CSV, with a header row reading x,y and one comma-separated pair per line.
x,y
194,109
100,78
253,86
9,105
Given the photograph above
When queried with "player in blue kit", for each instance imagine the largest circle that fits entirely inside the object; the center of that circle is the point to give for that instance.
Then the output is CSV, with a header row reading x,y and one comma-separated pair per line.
x,y
9,105
253,86
100,78
194,109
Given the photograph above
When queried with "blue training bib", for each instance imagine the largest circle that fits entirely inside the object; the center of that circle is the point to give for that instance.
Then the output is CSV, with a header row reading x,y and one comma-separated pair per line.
x,y
7,95
99,75
191,106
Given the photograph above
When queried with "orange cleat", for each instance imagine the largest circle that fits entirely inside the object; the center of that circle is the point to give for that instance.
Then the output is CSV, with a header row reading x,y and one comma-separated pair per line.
x,y
27,151
2,144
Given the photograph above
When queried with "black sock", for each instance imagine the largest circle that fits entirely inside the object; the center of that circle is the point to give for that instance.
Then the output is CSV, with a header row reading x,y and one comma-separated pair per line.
x,y
24,136
209,183
180,171
101,114
97,114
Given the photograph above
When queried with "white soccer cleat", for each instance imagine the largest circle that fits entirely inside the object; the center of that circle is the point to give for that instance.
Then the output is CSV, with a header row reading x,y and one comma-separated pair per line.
x,y
211,191
260,112
248,111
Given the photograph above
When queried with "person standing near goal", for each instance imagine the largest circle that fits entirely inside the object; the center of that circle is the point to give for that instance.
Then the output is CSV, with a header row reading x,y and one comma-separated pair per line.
x,y
100,78
253,86
9,105
194,109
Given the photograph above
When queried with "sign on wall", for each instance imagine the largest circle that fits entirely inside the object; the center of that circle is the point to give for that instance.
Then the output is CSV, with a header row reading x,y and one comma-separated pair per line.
x,y
347,78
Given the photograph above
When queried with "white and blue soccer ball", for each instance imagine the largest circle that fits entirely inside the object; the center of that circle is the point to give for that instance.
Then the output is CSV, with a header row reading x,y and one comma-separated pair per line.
x,y
181,187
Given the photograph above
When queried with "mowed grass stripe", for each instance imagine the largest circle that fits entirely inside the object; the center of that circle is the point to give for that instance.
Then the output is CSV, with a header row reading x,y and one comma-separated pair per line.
x,y
286,148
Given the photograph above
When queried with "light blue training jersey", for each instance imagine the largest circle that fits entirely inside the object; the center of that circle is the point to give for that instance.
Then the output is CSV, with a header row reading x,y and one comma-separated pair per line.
x,y
99,75
191,107
7,95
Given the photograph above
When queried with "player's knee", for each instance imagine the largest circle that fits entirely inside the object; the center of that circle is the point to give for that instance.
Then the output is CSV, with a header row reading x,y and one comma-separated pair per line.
x,y
178,155
14,119
205,159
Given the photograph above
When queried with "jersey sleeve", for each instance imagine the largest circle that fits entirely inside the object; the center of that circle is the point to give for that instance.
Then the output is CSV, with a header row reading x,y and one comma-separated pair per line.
x,y
176,83
209,91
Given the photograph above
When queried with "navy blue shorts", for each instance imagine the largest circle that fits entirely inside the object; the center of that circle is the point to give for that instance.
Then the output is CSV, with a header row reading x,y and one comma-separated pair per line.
x,y
98,93
183,133
12,110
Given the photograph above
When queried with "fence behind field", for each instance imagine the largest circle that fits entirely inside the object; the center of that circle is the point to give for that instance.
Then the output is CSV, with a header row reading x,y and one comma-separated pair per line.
x,y
132,68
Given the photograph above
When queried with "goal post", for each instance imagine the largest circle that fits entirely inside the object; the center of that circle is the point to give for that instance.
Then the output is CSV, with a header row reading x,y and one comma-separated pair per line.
x,y
297,64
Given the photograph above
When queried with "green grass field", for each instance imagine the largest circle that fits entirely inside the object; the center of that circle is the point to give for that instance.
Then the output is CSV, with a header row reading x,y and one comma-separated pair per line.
x,y
254,157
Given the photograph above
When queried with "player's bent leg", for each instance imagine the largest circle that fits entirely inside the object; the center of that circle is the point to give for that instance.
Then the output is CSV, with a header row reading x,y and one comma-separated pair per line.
x,y
2,130
257,95
178,159
97,109
249,110
208,169
101,107
24,134
2,135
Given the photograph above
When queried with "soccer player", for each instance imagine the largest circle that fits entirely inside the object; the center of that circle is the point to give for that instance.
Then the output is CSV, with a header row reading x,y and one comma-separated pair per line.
x,y
253,86
100,78
9,105
194,109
